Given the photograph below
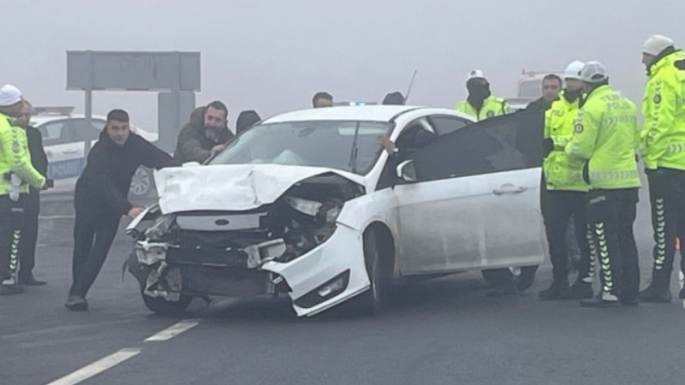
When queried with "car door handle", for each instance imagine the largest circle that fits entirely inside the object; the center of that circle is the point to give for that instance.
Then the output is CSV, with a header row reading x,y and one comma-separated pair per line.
x,y
509,189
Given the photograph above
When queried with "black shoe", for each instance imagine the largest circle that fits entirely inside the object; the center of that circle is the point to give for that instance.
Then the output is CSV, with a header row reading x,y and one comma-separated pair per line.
x,y
30,280
555,291
603,300
76,303
11,289
654,293
579,290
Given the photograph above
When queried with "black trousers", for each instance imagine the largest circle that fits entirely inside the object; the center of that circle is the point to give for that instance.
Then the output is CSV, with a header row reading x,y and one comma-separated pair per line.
x,y
29,234
11,218
611,214
94,233
558,208
667,197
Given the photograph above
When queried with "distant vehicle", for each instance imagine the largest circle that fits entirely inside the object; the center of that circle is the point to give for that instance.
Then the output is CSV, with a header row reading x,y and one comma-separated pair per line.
x,y
64,138
530,84
518,104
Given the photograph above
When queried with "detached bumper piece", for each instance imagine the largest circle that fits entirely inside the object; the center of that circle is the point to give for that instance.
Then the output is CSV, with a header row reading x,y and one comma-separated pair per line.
x,y
328,290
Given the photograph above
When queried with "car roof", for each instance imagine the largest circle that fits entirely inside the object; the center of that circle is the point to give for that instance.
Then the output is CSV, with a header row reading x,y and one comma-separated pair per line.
x,y
382,113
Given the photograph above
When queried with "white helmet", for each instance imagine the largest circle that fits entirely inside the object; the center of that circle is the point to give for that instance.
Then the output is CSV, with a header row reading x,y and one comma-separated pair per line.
x,y
573,70
656,44
593,72
473,74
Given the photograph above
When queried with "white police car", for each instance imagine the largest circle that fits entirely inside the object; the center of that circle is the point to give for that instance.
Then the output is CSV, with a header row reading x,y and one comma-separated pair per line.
x,y
64,138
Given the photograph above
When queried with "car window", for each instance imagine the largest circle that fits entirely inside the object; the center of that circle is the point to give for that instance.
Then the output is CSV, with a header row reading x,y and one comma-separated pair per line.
x,y
351,146
54,133
447,124
499,144
83,131
416,134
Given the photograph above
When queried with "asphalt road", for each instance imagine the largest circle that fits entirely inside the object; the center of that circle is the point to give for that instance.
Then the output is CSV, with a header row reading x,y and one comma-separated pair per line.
x,y
443,331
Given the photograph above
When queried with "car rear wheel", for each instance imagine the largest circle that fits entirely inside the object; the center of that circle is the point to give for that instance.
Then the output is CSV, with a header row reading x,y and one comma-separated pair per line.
x,y
167,308
523,277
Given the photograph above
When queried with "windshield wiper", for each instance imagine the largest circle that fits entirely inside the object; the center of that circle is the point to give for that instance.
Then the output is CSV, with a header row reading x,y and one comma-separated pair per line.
x,y
353,154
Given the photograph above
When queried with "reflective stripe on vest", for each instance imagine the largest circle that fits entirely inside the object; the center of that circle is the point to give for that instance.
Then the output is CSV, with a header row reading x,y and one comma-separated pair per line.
x,y
613,175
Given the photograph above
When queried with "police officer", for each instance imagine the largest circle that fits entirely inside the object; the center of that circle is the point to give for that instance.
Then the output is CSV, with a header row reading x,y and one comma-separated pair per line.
x,y
17,174
480,104
100,199
663,152
606,137
564,193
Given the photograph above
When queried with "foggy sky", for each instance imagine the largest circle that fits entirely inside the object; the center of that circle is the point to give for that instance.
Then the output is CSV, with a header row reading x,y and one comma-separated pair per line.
x,y
272,56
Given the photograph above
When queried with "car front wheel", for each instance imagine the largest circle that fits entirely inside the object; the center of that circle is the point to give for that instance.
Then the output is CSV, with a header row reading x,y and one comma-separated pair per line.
x,y
167,308
379,269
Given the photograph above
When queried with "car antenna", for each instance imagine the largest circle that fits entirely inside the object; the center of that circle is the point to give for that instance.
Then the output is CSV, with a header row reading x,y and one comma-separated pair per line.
x,y
411,83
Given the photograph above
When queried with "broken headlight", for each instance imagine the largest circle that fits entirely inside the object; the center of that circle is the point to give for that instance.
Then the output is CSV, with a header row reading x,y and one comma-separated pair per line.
x,y
326,212
159,227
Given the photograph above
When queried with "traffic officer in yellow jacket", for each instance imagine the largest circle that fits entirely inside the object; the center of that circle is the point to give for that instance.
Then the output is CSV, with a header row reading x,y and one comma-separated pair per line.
x,y
480,104
605,139
663,152
564,195
16,174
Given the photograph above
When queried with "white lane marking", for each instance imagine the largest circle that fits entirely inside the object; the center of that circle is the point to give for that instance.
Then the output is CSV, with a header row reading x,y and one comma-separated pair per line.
x,y
96,367
174,330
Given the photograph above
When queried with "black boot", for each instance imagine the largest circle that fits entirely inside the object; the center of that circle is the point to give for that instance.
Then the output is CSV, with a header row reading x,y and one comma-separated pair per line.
x,y
554,292
579,290
659,290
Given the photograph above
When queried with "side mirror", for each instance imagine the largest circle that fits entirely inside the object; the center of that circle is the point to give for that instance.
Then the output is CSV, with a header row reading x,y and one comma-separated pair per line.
x,y
406,171
191,164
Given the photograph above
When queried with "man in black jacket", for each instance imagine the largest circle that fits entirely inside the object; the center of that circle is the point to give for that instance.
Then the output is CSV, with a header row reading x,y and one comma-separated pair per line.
x,y
29,231
202,138
551,86
101,198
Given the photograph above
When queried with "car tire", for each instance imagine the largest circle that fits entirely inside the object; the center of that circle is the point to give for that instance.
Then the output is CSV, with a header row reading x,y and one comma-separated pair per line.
x,y
379,269
523,277
163,307
142,183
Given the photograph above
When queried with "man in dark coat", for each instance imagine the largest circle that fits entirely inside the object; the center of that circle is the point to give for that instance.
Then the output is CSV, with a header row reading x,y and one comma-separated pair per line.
x,y
551,86
29,230
101,198
201,139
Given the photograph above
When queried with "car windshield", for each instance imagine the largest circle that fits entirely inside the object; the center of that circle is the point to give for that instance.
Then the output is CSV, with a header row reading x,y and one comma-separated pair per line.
x,y
342,145
531,89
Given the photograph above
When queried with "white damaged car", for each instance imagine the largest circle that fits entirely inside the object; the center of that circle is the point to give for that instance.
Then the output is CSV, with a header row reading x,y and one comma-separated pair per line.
x,y
310,203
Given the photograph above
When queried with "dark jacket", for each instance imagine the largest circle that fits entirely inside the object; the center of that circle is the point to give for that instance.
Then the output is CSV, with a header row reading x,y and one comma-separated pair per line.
x,y
540,104
103,186
38,157
193,145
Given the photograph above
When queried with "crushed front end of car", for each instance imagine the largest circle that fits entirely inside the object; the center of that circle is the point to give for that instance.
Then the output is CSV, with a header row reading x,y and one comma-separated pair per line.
x,y
234,240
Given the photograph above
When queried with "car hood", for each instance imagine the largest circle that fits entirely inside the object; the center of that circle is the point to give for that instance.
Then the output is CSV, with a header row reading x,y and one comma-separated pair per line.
x,y
231,187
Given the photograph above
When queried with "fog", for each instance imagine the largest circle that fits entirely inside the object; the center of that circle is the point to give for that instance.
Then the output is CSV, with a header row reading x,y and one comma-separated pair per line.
x,y
272,56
